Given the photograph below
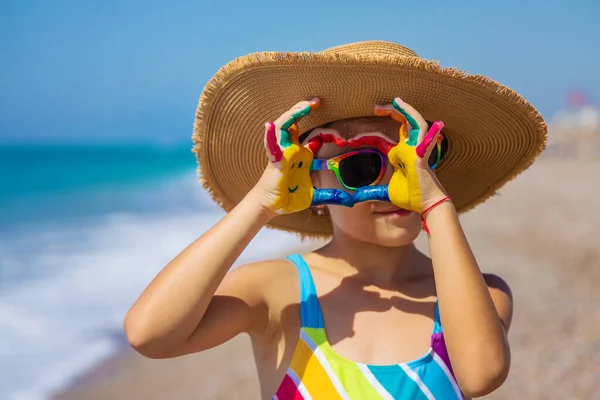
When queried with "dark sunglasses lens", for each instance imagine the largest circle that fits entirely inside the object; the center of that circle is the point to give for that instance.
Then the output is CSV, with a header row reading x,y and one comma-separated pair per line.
x,y
361,169
433,157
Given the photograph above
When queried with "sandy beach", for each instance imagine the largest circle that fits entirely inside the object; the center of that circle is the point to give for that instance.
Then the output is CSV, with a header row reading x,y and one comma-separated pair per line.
x,y
111,111
540,233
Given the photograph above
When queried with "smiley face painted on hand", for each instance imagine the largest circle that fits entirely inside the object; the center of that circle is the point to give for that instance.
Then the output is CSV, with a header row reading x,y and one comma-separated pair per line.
x,y
410,156
295,169
291,158
295,189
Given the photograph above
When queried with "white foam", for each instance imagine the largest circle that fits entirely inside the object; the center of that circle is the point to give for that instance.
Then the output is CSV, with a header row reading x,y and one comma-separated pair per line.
x,y
68,314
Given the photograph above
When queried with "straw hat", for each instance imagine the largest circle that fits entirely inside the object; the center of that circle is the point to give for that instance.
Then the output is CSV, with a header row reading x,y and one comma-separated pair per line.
x,y
493,133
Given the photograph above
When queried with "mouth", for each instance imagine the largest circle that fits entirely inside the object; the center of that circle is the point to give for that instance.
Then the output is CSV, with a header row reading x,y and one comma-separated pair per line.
x,y
292,190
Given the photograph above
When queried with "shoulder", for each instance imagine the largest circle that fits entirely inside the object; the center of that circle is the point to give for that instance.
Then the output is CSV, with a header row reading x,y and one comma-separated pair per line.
x,y
262,273
267,288
266,282
501,296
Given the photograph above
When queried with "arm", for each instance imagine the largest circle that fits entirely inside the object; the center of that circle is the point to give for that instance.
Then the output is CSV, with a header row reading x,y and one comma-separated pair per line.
x,y
475,318
475,311
181,310
168,319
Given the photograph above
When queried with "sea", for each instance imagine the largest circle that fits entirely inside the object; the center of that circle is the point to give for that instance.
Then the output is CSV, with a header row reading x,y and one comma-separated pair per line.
x,y
83,229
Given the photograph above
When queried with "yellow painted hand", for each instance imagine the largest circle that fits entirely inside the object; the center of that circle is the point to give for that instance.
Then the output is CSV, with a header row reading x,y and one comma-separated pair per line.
x,y
413,185
290,162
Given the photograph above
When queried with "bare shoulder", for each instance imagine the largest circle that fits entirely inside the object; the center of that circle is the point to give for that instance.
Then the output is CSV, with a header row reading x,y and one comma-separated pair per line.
x,y
243,302
260,275
266,282
501,296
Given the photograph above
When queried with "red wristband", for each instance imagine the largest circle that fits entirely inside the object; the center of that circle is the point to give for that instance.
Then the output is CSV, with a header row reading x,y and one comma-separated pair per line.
x,y
429,209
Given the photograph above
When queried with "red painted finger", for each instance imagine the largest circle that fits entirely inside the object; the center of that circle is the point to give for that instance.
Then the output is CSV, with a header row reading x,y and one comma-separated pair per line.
x,y
430,139
271,144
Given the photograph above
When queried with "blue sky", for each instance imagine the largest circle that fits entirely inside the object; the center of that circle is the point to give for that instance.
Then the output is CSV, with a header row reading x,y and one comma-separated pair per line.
x,y
75,70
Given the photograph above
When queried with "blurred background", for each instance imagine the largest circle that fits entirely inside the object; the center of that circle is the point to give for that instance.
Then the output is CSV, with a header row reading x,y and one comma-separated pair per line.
x,y
98,187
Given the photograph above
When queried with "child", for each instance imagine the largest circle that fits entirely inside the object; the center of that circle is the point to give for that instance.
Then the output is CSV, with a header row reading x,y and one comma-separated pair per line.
x,y
367,316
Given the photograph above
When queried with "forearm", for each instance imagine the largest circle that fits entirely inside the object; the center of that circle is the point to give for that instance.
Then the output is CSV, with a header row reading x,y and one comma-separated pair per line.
x,y
172,306
473,331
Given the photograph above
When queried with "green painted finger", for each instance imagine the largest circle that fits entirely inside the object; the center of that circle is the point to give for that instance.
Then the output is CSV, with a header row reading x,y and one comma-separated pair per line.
x,y
413,135
295,117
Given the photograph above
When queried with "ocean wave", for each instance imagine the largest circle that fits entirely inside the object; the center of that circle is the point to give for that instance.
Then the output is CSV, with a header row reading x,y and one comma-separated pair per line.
x,y
67,284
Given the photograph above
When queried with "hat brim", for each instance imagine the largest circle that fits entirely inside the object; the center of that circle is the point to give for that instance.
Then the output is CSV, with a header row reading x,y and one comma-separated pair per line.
x,y
493,133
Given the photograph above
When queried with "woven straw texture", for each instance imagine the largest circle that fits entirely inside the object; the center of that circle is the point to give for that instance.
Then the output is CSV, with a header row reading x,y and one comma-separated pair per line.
x,y
493,133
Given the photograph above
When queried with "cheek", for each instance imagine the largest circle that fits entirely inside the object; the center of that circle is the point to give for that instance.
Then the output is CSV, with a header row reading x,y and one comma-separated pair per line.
x,y
389,170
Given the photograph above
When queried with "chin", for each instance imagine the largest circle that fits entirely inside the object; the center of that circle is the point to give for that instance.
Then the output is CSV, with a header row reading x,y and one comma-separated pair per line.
x,y
394,237
385,233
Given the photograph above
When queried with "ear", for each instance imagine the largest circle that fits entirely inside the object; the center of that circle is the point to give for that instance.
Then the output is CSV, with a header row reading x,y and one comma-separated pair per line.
x,y
321,209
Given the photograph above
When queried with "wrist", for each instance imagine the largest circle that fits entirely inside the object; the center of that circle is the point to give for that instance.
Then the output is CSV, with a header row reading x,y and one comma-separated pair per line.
x,y
432,200
441,205
254,203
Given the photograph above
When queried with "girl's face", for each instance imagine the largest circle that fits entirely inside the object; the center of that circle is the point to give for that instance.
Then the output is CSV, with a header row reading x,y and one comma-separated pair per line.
x,y
375,222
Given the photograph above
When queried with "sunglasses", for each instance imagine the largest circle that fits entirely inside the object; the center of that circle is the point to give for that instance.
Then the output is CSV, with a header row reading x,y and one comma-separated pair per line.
x,y
366,167
355,169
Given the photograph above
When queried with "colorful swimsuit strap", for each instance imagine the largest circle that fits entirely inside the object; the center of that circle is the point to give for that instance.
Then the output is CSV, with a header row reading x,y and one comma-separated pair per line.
x,y
437,325
310,310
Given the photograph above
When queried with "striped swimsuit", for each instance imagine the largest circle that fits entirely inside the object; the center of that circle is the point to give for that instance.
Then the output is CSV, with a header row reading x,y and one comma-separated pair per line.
x,y
318,372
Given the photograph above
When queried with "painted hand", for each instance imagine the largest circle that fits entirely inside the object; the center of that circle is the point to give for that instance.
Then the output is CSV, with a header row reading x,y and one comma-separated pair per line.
x,y
413,185
290,162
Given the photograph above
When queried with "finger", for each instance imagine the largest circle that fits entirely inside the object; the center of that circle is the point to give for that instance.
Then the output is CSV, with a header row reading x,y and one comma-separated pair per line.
x,y
293,132
416,121
298,111
292,117
370,193
430,140
331,196
274,152
388,110
314,145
